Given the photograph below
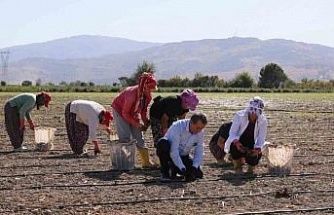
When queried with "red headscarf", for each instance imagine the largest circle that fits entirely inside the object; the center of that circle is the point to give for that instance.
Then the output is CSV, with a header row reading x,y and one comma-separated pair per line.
x,y
47,99
106,118
146,81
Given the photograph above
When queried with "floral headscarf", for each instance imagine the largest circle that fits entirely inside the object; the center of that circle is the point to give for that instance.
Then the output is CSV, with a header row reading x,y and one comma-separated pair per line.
x,y
256,105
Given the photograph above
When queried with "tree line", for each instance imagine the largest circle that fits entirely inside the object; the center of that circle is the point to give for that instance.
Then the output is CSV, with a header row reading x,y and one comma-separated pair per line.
x,y
271,76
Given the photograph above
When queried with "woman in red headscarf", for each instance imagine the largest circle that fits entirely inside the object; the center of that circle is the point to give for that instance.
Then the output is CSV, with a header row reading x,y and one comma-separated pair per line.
x,y
82,118
130,114
17,109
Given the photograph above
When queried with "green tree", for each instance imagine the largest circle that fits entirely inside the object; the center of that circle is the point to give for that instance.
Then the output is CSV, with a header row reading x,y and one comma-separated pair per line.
x,y
175,81
162,83
63,83
26,83
242,80
144,67
215,82
199,80
123,81
272,76
38,82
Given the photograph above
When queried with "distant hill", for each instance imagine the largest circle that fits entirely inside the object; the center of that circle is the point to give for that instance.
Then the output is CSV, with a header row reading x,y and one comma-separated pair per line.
x,y
222,57
77,47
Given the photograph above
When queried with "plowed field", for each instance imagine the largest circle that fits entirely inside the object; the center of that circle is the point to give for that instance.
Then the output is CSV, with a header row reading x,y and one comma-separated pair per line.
x,y
55,182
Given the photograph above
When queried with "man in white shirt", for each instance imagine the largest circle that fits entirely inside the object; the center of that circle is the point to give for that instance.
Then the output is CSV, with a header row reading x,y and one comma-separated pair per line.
x,y
175,147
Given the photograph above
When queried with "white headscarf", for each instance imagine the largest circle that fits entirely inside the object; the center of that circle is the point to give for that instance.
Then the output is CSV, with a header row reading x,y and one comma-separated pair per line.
x,y
256,105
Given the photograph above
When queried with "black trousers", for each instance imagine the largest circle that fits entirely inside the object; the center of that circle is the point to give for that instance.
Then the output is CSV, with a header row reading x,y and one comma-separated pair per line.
x,y
12,121
250,160
167,164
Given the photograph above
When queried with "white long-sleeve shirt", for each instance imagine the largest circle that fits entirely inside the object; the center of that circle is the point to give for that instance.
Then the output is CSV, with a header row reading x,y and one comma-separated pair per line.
x,y
239,125
183,141
87,112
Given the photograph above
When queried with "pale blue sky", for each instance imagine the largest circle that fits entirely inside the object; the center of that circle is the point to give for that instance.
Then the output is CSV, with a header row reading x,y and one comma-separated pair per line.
x,y
33,21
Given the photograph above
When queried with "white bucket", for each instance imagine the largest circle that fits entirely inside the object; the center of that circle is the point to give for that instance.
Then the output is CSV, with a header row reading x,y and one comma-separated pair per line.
x,y
123,155
280,159
113,132
44,137
44,134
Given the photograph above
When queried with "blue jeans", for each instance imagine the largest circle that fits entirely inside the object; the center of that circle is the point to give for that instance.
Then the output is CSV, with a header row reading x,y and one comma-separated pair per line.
x,y
126,131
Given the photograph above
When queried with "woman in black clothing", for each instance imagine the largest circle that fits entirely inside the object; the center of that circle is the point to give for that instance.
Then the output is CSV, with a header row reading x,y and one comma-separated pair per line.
x,y
218,140
166,110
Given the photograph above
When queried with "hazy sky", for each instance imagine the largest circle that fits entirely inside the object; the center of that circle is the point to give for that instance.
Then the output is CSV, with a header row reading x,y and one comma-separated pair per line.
x,y
33,21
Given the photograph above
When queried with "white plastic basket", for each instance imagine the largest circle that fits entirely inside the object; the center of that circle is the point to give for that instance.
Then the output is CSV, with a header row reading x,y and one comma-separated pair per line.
x,y
44,134
44,137
113,132
123,155
280,159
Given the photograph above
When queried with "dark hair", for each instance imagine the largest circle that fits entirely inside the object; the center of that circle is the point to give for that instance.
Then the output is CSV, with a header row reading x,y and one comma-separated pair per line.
x,y
101,117
199,117
39,100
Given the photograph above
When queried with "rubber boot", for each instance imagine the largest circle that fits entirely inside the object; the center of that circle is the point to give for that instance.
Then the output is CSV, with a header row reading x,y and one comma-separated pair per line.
x,y
145,159
237,166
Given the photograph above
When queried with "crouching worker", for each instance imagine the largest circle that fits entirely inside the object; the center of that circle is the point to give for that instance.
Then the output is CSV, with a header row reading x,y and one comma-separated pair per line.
x,y
174,148
247,135
166,110
17,109
82,118
217,143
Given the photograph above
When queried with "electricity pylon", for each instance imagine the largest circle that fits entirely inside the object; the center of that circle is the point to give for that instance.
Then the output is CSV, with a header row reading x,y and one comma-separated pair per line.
x,y
4,65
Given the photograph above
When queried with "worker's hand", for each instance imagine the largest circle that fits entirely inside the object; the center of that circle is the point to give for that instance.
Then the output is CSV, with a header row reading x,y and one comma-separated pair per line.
x,y
183,172
142,127
221,143
191,175
22,126
255,152
108,131
31,124
239,146
147,123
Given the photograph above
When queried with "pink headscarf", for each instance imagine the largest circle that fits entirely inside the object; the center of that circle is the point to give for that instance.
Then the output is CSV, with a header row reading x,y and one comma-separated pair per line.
x,y
189,98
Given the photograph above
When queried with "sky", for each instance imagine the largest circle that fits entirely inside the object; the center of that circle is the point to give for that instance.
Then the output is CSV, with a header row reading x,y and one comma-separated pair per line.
x,y
35,21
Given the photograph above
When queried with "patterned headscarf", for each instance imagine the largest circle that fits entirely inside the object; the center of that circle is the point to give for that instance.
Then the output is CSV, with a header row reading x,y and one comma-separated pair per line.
x,y
189,98
256,105
146,80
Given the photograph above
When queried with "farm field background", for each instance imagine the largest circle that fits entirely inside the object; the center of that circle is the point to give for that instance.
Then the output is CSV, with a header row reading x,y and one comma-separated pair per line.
x,y
55,182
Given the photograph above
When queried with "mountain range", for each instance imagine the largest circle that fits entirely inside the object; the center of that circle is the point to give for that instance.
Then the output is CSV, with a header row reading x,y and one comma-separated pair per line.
x,y
102,60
